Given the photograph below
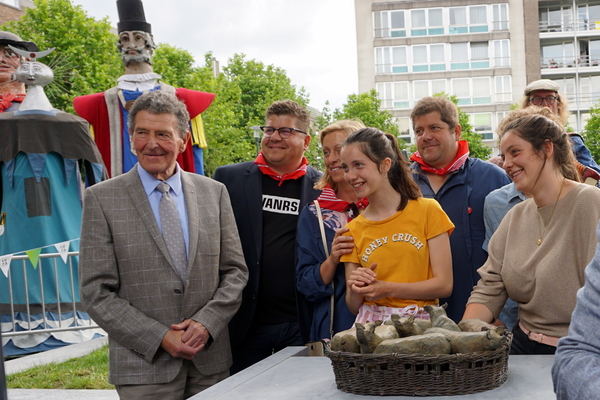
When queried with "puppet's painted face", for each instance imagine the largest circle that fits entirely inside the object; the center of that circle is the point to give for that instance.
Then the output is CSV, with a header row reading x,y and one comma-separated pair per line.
x,y
33,73
136,46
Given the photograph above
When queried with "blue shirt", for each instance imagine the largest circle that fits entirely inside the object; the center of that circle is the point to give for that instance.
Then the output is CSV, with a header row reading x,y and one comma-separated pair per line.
x,y
577,360
496,205
149,182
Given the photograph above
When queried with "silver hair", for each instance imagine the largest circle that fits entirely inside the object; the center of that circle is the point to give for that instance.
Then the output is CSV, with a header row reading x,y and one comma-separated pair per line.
x,y
160,102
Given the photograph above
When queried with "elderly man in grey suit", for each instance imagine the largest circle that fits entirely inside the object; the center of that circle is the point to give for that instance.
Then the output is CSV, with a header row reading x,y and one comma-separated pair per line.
x,y
162,268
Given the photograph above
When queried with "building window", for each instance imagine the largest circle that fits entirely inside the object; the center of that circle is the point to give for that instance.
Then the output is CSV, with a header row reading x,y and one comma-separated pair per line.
x,y
389,24
556,19
426,22
558,55
588,17
382,60
438,86
458,20
401,95
503,90
420,90
500,17
461,88
384,92
478,19
399,63
469,55
501,53
482,124
482,90
404,127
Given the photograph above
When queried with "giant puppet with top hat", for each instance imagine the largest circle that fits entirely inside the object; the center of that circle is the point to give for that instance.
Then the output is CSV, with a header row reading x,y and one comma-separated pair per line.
x,y
107,112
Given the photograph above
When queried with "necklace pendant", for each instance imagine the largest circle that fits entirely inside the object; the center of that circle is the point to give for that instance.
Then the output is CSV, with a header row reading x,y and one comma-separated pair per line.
x,y
539,241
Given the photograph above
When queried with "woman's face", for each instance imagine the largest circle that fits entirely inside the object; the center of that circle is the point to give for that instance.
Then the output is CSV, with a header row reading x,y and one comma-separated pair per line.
x,y
522,164
362,173
332,144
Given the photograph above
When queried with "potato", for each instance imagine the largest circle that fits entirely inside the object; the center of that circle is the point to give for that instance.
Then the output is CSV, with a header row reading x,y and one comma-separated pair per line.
x,y
345,341
475,325
470,342
439,319
431,344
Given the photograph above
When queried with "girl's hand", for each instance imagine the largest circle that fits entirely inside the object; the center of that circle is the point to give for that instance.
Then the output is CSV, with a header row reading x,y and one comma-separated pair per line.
x,y
362,276
374,291
341,245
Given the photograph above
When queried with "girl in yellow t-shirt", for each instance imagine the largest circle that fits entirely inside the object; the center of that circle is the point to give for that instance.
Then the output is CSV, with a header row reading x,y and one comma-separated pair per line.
x,y
401,259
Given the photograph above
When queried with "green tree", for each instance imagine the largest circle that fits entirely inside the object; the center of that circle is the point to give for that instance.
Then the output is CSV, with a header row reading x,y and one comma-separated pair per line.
x,y
364,107
84,46
591,133
476,147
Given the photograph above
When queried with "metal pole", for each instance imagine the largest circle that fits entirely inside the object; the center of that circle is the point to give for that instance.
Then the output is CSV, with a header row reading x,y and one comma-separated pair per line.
x,y
3,393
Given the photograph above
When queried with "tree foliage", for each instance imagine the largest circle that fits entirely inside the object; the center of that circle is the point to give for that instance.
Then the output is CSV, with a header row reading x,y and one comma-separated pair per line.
x,y
85,46
591,134
476,147
364,107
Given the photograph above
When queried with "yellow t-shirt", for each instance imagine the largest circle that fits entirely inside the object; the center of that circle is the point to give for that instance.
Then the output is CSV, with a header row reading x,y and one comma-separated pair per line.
x,y
398,245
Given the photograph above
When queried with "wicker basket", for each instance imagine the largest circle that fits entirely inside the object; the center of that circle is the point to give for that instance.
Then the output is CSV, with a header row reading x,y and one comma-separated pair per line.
x,y
420,375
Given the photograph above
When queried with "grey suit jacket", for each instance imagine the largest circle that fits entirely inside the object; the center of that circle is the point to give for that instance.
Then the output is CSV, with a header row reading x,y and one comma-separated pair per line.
x,y
131,289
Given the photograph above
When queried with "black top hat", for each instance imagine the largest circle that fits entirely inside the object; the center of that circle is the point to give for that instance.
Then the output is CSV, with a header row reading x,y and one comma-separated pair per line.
x,y
7,38
132,17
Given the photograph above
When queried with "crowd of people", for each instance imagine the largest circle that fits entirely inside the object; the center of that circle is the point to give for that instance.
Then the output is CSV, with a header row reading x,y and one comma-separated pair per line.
x,y
195,278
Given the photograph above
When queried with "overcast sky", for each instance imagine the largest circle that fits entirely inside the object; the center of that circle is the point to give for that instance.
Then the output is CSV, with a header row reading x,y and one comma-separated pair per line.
x,y
314,41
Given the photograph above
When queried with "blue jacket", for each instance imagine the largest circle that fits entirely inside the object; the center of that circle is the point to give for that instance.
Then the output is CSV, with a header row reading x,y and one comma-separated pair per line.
x,y
308,276
462,197
582,153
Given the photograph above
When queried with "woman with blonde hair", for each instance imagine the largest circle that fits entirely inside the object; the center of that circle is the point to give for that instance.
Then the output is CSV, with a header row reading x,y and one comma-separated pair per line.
x,y
320,276
538,254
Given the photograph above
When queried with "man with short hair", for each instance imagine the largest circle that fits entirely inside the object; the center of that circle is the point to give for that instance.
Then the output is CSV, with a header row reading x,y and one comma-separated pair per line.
x,y
161,266
12,92
267,195
107,112
444,171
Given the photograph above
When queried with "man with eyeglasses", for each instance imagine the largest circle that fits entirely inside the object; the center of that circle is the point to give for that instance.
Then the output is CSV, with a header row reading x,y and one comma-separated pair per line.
x,y
545,93
267,195
12,92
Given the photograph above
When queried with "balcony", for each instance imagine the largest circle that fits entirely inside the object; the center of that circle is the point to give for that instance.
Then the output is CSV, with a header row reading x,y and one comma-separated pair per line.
x,y
570,64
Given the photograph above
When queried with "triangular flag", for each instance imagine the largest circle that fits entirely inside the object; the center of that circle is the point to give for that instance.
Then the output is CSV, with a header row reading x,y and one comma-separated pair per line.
x,y
5,264
33,256
63,250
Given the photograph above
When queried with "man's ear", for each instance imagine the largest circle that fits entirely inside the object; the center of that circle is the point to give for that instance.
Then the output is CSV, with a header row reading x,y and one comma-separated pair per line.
x,y
306,142
457,131
186,140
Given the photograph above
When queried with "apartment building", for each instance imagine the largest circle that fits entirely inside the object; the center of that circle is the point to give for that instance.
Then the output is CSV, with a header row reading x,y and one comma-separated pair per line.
x,y
482,51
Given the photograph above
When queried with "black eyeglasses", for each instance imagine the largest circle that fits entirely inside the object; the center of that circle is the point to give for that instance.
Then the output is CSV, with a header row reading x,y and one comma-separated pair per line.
x,y
538,101
285,133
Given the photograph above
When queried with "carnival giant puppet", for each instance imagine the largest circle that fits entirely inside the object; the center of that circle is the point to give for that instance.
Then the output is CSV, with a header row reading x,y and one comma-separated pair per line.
x,y
46,158
12,92
107,112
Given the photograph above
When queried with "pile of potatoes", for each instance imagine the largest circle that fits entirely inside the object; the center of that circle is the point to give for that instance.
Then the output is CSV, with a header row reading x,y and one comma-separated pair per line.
x,y
439,335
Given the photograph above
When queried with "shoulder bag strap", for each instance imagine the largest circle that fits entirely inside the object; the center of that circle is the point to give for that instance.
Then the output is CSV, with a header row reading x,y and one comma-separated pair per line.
x,y
326,248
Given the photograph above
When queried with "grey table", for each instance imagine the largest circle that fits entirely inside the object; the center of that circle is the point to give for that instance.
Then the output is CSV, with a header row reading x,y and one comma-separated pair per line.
x,y
290,375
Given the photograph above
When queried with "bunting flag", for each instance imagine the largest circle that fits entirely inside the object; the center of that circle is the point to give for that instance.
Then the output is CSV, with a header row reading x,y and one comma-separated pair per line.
x,y
34,255
5,264
63,250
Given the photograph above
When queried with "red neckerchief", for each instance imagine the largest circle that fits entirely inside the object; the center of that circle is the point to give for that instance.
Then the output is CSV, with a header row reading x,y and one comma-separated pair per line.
x,y
7,98
461,157
265,169
330,201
